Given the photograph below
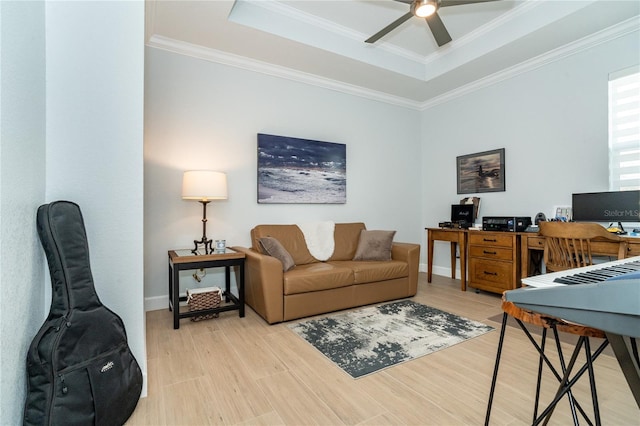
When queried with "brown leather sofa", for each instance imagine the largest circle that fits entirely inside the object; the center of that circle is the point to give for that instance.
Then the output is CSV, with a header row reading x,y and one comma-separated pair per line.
x,y
314,287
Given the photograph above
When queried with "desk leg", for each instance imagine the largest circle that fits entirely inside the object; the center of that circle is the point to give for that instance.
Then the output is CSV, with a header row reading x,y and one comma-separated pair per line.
x,y
463,260
176,297
524,256
453,260
429,256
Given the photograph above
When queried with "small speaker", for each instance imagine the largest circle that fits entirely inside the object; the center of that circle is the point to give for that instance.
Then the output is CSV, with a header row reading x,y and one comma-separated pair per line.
x,y
540,217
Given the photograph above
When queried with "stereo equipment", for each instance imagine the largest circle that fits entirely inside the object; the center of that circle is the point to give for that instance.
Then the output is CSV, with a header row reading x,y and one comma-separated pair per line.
x,y
505,223
454,225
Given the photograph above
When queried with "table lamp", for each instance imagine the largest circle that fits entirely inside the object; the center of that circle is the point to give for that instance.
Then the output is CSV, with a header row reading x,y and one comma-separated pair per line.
x,y
204,186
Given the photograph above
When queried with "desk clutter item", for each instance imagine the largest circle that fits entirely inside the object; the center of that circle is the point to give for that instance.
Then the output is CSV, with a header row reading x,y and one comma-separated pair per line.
x,y
505,223
199,299
454,225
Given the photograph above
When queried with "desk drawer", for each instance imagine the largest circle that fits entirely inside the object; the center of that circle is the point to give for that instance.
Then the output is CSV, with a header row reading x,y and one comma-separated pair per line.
x,y
535,243
633,249
487,252
491,239
492,275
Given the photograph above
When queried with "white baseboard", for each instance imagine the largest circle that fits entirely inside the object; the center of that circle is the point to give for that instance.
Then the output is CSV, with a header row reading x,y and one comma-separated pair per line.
x,y
440,270
145,382
156,303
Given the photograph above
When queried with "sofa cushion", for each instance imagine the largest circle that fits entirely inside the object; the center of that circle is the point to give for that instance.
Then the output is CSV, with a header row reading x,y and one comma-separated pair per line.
x,y
291,238
315,277
346,237
273,248
372,271
374,245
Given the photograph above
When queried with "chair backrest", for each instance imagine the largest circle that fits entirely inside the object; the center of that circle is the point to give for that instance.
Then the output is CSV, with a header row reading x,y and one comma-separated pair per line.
x,y
568,244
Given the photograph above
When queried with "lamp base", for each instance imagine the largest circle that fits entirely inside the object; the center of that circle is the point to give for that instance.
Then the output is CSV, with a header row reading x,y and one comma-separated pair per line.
x,y
207,243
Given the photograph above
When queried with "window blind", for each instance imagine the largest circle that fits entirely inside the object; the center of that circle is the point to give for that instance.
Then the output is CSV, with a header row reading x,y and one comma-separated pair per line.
x,y
624,130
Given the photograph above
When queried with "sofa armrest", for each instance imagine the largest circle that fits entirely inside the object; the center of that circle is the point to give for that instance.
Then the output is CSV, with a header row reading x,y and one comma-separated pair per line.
x,y
264,284
410,253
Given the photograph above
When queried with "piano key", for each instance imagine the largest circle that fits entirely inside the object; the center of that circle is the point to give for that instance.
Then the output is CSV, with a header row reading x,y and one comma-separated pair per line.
x,y
598,275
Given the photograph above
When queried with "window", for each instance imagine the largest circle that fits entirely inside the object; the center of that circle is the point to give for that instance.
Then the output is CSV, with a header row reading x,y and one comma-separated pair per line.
x,y
624,130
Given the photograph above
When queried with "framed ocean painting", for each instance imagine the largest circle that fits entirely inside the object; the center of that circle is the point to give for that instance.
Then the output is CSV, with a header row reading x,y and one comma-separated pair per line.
x,y
301,171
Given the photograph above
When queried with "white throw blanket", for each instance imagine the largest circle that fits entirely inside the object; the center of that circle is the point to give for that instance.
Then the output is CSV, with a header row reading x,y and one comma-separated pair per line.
x,y
319,238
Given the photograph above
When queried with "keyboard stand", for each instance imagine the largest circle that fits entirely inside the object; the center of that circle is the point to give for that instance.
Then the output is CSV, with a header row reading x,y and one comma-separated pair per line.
x,y
563,374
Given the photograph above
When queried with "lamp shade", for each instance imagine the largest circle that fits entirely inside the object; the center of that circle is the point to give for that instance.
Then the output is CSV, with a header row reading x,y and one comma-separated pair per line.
x,y
204,185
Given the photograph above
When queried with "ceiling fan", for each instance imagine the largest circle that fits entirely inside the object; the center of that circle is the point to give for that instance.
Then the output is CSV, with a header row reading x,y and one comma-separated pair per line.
x,y
427,9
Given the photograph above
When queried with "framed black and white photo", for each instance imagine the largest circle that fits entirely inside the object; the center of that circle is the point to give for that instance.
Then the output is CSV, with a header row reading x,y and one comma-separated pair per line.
x,y
481,172
301,171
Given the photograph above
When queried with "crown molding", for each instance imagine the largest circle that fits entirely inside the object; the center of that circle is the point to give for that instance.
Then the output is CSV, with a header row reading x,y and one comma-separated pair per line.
x,y
619,30
230,59
212,55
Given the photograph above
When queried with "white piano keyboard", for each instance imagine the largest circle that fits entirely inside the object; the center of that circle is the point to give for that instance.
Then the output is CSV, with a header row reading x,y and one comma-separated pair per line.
x,y
586,274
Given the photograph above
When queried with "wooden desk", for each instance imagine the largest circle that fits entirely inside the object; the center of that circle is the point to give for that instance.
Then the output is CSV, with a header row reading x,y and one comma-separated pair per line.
x,y
455,237
531,243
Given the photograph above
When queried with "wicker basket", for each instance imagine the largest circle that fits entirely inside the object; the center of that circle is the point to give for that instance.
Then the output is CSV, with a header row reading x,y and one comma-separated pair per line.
x,y
203,298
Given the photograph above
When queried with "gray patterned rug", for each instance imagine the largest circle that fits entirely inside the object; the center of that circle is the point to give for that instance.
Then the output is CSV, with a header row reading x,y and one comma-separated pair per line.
x,y
373,338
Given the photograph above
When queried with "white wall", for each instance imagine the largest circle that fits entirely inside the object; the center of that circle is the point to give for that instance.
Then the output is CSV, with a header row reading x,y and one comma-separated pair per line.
x,y
552,122
22,190
95,72
200,114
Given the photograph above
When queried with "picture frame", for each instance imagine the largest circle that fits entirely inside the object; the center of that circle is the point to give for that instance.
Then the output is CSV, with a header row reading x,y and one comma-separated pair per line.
x,y
301,171
481,172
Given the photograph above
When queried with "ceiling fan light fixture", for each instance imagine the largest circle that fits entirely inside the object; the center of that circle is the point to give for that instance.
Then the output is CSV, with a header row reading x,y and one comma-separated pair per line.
x,y
424,8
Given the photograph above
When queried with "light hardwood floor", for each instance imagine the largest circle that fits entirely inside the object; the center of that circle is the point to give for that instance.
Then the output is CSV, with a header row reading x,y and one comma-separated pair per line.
x,y
243,371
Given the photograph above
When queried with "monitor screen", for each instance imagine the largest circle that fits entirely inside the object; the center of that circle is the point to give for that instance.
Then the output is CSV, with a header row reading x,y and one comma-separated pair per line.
x,y
462,212
616,206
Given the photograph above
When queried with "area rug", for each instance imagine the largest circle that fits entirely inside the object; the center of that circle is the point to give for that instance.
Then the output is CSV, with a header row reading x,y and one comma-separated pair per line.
x,y
367,340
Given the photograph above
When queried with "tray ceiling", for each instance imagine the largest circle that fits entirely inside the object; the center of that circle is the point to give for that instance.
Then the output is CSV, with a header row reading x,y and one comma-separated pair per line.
x,y
322,41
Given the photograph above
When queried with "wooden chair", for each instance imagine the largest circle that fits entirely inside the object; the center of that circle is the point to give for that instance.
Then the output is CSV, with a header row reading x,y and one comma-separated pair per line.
x,y
567,246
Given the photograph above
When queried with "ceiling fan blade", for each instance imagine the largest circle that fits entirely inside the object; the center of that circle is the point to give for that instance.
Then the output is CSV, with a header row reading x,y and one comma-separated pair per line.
x,y
438,29
389,28
446,3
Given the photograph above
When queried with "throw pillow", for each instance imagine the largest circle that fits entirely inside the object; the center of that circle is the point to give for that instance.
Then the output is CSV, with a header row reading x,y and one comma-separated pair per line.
x,y
374,245
274,248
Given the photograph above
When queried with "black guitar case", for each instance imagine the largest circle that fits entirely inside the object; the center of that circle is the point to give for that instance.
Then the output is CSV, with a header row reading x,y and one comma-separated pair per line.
x,y
80,370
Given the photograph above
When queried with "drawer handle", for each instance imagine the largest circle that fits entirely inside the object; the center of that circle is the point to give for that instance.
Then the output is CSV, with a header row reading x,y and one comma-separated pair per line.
x,y
495,274
490,240
489,252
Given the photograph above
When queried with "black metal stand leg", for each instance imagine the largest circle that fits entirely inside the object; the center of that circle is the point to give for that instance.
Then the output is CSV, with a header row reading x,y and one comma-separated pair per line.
x,y
563,388
495,369
543,343
592,382
551,367
572,403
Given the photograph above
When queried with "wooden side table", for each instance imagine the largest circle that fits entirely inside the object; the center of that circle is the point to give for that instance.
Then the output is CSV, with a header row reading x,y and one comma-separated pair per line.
x,y
180,260
455,237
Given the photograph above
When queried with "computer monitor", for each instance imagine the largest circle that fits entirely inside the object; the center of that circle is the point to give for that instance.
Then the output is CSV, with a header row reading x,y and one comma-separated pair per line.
x,y
463,214
613,206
